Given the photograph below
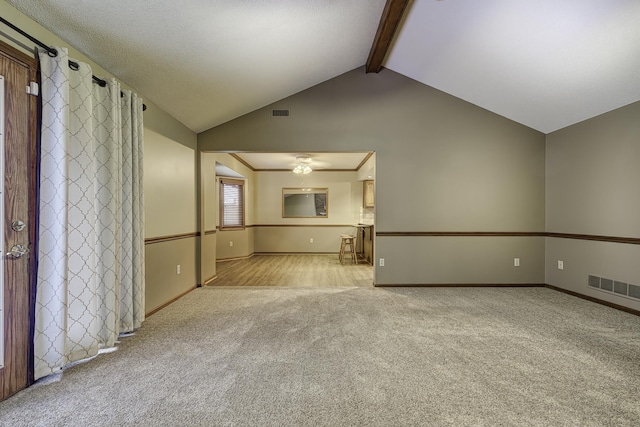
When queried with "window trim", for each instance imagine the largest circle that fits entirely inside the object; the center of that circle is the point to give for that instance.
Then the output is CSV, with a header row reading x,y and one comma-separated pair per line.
x,y
241,184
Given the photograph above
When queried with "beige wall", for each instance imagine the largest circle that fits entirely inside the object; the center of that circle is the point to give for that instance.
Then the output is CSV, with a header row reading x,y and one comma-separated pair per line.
x,y
161,274
368,170
345,200
264,209
442,164
208,258
210,186
170,207
345,196
235,243
461,260
593,174
592,188
216,245
297,239
170,177
170,193
207,217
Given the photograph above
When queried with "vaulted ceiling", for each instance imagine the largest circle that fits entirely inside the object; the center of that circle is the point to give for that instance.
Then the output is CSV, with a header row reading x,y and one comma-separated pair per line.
x,y
545,63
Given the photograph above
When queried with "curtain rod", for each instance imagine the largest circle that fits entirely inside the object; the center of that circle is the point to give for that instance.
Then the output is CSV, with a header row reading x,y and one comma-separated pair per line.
x,y
53,53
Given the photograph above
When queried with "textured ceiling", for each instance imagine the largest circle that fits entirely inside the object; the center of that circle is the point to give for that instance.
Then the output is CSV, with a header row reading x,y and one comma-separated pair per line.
x,y
545,63
208,61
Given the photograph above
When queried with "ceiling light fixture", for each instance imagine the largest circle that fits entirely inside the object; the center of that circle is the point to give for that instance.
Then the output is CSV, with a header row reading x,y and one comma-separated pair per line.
x,y
303,165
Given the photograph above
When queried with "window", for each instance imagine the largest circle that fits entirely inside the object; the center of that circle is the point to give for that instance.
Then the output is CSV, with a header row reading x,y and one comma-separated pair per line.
x,y
231,204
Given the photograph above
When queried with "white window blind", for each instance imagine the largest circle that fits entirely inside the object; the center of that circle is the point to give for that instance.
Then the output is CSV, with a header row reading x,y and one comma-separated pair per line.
x,y
231,203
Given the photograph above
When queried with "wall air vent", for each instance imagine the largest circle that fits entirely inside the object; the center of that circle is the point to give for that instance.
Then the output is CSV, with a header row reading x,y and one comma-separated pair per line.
x,y
620,288
614,287
280,113
594,281
606,284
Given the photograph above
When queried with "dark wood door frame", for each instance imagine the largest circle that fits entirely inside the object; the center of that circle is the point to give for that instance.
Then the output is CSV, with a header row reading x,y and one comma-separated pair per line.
x,y
21,324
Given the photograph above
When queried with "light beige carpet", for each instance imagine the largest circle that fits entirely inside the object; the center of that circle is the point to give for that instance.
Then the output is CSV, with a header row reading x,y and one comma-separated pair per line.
x,y
357,356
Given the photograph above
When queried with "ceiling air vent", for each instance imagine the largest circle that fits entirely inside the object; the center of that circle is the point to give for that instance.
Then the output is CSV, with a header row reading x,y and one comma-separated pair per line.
x,y
280,113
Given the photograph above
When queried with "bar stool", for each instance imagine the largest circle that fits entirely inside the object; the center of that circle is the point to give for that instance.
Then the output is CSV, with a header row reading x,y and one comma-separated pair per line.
x,y
348,241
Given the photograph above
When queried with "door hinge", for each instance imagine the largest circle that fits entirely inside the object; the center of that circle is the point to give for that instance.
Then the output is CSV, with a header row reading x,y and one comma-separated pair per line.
x,y
33,89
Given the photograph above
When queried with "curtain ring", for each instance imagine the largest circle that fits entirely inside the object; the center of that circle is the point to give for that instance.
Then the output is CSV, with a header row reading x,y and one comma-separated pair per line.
x,y
52,52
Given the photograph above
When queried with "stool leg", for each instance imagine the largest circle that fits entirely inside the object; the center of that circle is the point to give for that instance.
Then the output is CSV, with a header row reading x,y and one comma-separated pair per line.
x,y
341,256
354,257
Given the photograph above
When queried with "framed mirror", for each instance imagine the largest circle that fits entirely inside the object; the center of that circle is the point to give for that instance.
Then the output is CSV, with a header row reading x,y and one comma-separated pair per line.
x,y
305,202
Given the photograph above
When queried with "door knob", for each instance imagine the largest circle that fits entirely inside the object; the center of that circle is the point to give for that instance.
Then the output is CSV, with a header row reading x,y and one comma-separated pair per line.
x,y
18,251
18,225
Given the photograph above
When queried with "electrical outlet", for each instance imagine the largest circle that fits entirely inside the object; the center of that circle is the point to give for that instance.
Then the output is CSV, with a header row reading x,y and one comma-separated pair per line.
x,y
178,269
231,243
516,262
560,265
381,262
311,240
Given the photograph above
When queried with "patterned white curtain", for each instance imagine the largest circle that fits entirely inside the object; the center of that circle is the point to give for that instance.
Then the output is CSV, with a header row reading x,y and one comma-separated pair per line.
x,y
91,245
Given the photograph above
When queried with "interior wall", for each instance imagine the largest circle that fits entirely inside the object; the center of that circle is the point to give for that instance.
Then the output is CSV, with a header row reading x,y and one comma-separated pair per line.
x,y
368,169
442,165
170,195
169,181
170,209
300,239
275,234
592,190
345,196
266,231
216,242
161,274
207,217
231,244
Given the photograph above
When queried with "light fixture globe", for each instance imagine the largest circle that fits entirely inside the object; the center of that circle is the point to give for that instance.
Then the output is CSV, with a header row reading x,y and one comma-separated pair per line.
x,y
303,167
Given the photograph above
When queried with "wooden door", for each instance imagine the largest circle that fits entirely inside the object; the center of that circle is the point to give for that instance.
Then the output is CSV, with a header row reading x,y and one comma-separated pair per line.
x,y
19,152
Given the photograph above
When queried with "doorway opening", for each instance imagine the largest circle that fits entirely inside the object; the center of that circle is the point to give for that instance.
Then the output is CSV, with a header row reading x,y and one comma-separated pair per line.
x,y
298,242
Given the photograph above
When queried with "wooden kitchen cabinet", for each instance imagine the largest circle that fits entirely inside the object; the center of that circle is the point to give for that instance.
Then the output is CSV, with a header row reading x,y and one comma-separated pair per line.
x,y
368,194
367,244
